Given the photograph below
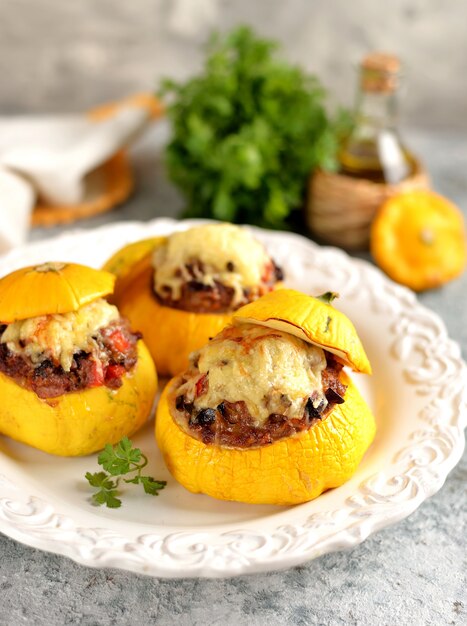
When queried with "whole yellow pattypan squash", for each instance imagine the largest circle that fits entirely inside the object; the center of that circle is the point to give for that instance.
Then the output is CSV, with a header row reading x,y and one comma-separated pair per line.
x,y
418,239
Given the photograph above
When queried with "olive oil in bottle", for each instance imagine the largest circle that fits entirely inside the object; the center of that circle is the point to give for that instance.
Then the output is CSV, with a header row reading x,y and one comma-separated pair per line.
x,y
374,150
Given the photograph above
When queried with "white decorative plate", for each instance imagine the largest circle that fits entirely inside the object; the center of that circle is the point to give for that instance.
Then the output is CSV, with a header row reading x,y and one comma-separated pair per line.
x,y
417,393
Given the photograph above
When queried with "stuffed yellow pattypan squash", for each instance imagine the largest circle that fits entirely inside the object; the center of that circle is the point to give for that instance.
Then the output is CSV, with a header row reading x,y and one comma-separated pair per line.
x,y
266,413
73,375
182,289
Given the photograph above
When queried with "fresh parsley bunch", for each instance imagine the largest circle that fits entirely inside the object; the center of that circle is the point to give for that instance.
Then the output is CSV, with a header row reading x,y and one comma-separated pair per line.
x,y
119,461
248,132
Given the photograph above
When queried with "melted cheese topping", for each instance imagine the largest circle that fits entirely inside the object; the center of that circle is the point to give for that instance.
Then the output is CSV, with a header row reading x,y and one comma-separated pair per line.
x,y
59,337
271,371
229,254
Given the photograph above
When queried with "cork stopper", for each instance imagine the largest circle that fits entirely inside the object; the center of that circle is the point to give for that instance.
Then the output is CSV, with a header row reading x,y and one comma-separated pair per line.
x,y
380,72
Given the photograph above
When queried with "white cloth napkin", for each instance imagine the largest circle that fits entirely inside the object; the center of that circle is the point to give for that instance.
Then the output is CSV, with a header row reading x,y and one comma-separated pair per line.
x,y
51,156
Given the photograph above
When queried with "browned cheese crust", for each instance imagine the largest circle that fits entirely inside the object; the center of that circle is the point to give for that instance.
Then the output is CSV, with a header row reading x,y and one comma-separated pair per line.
x,y
197,297
230,424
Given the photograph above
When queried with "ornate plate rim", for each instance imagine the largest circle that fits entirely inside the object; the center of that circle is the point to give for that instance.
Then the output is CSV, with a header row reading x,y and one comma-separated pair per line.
x,y
418,471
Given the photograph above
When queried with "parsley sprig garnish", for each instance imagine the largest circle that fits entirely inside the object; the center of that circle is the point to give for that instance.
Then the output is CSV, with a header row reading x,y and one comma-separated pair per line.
x,y
118,461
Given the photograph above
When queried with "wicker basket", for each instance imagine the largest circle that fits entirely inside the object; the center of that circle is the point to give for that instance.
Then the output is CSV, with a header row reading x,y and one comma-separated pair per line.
x,y
340,209
111,183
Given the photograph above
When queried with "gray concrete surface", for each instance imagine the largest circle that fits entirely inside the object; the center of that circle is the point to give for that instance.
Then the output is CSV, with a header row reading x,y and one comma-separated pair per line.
x,y
65,56
413,573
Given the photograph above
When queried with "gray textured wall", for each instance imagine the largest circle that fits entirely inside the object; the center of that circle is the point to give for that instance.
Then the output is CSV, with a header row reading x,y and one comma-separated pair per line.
x,y
62,55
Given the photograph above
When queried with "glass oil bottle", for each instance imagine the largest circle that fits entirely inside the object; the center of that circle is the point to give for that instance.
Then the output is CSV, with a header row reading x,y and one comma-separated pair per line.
x,y
374,150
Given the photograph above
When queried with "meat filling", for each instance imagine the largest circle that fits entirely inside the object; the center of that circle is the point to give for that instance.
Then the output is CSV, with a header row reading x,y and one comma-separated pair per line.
x,y
114,355
212,268
230,424
198,297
